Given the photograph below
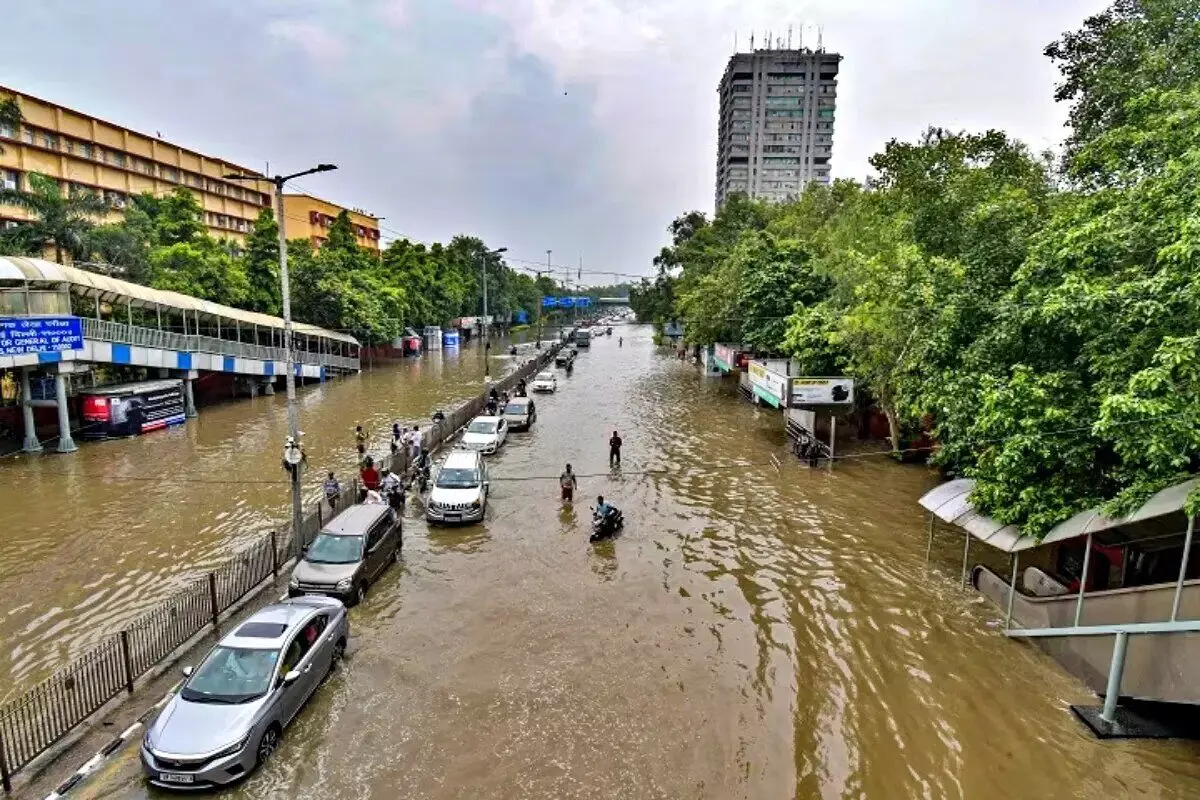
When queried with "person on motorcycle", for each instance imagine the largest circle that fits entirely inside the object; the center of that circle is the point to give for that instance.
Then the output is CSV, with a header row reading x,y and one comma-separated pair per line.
x,y
392,489
603,509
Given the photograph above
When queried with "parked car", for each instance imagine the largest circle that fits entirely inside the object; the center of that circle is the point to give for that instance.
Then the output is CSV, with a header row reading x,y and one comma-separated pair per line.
x,y
520,413
228,717
544,382
460,489
348,554
485,434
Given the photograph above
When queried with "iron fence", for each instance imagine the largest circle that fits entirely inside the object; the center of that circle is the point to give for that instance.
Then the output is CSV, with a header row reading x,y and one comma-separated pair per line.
x,y
42,716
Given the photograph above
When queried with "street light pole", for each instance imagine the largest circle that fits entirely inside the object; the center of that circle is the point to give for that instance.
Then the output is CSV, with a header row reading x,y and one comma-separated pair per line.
x,y
292,450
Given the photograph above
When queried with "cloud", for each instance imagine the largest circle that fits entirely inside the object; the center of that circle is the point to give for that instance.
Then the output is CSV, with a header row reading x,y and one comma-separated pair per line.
x,y
394,12
310,36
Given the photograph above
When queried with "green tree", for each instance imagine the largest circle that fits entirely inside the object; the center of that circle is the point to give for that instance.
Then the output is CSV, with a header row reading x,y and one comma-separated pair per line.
x,y
200,269
10,115
260,262
59,221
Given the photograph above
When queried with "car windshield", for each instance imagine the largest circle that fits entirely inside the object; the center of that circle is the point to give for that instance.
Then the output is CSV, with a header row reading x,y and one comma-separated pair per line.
x,y
231,675
327,549
482,426
515,408
544,376
457,478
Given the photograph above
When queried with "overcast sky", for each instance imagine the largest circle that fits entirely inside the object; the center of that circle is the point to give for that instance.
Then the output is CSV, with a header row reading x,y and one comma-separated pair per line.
x,y
582,126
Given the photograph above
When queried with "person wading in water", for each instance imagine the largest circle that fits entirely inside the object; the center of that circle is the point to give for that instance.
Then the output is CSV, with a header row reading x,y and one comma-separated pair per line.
x,y
568,484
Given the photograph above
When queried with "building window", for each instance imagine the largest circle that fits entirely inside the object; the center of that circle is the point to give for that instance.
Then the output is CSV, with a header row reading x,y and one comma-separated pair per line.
x,y
114,199
49,140
27,135
170,174
77,189
10,179
7,130
116,159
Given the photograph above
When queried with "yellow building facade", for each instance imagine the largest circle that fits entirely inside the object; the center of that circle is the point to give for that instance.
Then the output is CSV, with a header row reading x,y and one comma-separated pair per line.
x,y
83,152
310,217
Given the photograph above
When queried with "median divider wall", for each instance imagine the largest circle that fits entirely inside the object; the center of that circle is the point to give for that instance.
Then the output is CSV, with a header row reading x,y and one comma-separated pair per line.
x,y
42,718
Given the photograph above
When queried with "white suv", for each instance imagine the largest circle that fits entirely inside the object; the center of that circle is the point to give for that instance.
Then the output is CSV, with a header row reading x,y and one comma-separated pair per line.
x,y
460,489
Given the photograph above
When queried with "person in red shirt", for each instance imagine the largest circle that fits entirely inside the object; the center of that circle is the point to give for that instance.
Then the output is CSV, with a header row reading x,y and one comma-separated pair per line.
x,y
369,476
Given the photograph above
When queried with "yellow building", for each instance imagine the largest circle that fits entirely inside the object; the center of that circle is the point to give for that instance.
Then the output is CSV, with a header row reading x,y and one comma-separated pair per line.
x,y
308,216
83,152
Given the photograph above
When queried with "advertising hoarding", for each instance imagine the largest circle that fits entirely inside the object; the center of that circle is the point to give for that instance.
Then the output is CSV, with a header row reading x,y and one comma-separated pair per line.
x,y
822,391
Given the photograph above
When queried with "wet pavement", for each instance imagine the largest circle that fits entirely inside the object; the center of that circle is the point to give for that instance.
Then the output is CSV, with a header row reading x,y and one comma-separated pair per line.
x,y
756,632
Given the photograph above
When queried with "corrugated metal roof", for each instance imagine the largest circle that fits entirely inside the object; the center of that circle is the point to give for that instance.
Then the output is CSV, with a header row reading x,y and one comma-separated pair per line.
x,y
951,502
40,270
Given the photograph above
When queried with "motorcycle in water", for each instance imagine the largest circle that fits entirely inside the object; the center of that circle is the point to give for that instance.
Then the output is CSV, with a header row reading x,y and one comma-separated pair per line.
x,y
607,526
420,472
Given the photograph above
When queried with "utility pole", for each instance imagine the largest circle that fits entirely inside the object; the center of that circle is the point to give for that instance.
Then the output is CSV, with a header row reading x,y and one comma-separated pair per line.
x,y
293,454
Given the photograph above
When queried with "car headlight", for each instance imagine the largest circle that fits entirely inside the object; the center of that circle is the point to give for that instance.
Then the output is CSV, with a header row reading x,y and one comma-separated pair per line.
x,y
344,585
475,504
147,742
294,582
234,748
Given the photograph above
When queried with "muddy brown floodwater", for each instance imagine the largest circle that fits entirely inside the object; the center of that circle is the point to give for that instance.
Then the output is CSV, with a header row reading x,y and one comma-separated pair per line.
x,y
755,633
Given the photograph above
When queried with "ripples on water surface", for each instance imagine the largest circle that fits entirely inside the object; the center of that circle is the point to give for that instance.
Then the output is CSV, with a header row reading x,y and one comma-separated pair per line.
x,y
757,632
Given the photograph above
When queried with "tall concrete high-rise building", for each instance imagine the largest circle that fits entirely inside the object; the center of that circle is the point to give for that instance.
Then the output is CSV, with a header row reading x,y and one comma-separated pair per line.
x,y
776,128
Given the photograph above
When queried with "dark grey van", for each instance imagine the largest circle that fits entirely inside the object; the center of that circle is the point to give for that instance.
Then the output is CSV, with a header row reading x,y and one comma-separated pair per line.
x,y
348,554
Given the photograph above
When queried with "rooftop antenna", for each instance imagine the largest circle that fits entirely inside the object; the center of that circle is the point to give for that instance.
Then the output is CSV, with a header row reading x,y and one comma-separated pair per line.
x,y
735,41
789,37
820,38
800,35
751,41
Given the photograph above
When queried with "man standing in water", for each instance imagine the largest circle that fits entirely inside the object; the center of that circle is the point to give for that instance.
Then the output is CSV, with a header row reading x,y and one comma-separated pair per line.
x,y
614,450
568,484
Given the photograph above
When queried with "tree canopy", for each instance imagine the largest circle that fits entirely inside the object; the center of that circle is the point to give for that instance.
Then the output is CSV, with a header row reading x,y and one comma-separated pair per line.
x,y
1041,317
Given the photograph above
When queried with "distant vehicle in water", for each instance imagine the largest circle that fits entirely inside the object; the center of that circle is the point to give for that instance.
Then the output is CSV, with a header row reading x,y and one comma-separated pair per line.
x,y
485,434
229,715
583,338
544,382
131,409
521,413
564,357
460,489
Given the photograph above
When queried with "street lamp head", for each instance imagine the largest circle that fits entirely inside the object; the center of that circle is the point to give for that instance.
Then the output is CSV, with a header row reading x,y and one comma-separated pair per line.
x,y
326,167
499,250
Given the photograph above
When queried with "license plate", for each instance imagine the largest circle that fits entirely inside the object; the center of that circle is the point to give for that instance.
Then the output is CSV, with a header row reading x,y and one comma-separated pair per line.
x,y
314,594
452,516
175,777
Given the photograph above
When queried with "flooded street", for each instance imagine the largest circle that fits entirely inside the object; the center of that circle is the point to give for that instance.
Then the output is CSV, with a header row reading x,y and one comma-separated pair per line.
x,y
90,540
756,632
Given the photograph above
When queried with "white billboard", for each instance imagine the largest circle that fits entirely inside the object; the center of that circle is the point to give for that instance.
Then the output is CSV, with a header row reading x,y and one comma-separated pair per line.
x,y
822,391
769,385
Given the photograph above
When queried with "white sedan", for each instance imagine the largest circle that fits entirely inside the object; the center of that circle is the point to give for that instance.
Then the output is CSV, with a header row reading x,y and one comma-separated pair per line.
x,y
544,382
485,434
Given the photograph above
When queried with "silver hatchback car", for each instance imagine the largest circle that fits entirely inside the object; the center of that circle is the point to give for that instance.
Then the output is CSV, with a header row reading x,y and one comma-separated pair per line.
x,y
231,711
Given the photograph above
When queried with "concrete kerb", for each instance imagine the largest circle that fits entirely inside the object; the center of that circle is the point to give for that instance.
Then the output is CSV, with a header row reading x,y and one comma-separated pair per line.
x,y
43,763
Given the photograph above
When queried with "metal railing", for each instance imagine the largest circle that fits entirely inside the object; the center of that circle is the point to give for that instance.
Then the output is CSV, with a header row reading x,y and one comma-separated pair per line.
x,y
42,716
1121,634
108,331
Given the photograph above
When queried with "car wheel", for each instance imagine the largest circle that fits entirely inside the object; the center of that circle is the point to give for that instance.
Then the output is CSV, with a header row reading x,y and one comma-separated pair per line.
x,y
267,745
360,593
396,554
339,652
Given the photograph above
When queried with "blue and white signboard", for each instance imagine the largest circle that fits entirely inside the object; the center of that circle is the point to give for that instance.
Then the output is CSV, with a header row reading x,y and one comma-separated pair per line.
x,y
22,335
566,302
